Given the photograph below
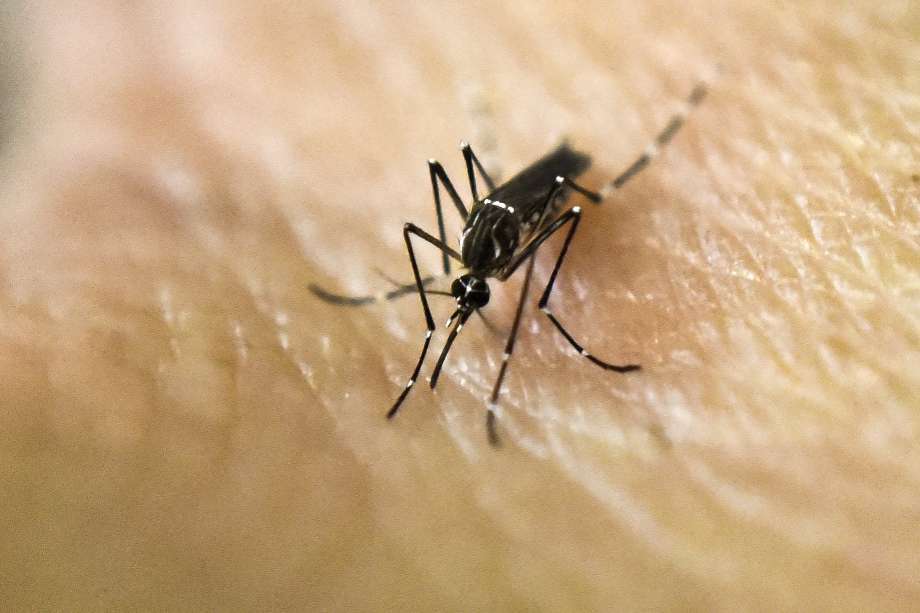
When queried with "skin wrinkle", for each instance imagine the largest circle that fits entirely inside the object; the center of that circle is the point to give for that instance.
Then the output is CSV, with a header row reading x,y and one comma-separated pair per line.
x,y
222,445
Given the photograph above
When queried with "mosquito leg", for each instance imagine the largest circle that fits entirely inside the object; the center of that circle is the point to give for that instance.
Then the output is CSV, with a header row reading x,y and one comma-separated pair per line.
x,y
663,138
592,196
471,159
437,173
491,430
573,215
408,231
535,243
509,349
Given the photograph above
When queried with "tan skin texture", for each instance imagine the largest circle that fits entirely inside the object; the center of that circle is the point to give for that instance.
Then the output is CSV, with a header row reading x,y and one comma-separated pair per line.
x,y
184,426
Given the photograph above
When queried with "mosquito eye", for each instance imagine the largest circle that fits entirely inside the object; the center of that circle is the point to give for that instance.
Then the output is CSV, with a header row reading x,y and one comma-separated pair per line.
x,y
470,291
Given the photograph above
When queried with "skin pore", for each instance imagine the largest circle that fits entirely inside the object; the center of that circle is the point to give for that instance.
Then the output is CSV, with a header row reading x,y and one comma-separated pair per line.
x,y
183,425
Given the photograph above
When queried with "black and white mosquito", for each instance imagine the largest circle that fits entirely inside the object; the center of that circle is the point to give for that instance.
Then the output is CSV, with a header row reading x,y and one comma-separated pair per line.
x,y
503,231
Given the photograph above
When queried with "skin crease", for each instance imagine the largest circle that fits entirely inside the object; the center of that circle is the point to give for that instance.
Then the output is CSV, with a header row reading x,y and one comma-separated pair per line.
x,y
184,426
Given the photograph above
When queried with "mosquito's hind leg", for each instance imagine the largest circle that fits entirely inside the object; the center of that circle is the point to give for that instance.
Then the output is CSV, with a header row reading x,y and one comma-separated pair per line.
x,y
664,137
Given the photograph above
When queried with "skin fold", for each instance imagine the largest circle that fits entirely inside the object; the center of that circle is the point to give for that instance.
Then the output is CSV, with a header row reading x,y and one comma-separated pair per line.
x,y
183,425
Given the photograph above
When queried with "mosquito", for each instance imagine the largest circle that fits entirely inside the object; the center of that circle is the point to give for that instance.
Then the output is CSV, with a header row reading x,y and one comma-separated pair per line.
x,y
502,232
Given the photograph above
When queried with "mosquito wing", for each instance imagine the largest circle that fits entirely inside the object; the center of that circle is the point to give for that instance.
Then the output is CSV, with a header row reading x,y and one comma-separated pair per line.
x,y
527,190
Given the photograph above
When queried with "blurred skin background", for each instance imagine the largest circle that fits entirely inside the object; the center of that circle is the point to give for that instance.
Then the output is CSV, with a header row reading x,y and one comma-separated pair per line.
x,y
184,426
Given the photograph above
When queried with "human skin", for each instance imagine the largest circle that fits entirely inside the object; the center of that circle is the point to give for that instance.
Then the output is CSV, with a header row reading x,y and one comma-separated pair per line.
x,y
183,425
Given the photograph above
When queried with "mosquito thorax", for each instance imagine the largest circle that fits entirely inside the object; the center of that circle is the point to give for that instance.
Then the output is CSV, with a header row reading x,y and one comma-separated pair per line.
x,y
471,292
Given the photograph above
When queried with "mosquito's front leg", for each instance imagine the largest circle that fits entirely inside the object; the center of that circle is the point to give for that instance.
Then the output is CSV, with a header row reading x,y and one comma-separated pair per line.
x,y
438,173
409,230
506,356
472,160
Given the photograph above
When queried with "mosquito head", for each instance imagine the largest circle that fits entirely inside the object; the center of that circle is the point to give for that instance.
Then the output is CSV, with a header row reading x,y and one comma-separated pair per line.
x,y
471,292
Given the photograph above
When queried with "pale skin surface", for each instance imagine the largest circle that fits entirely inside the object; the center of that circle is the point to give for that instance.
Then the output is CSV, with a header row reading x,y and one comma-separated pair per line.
x,y
184,426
